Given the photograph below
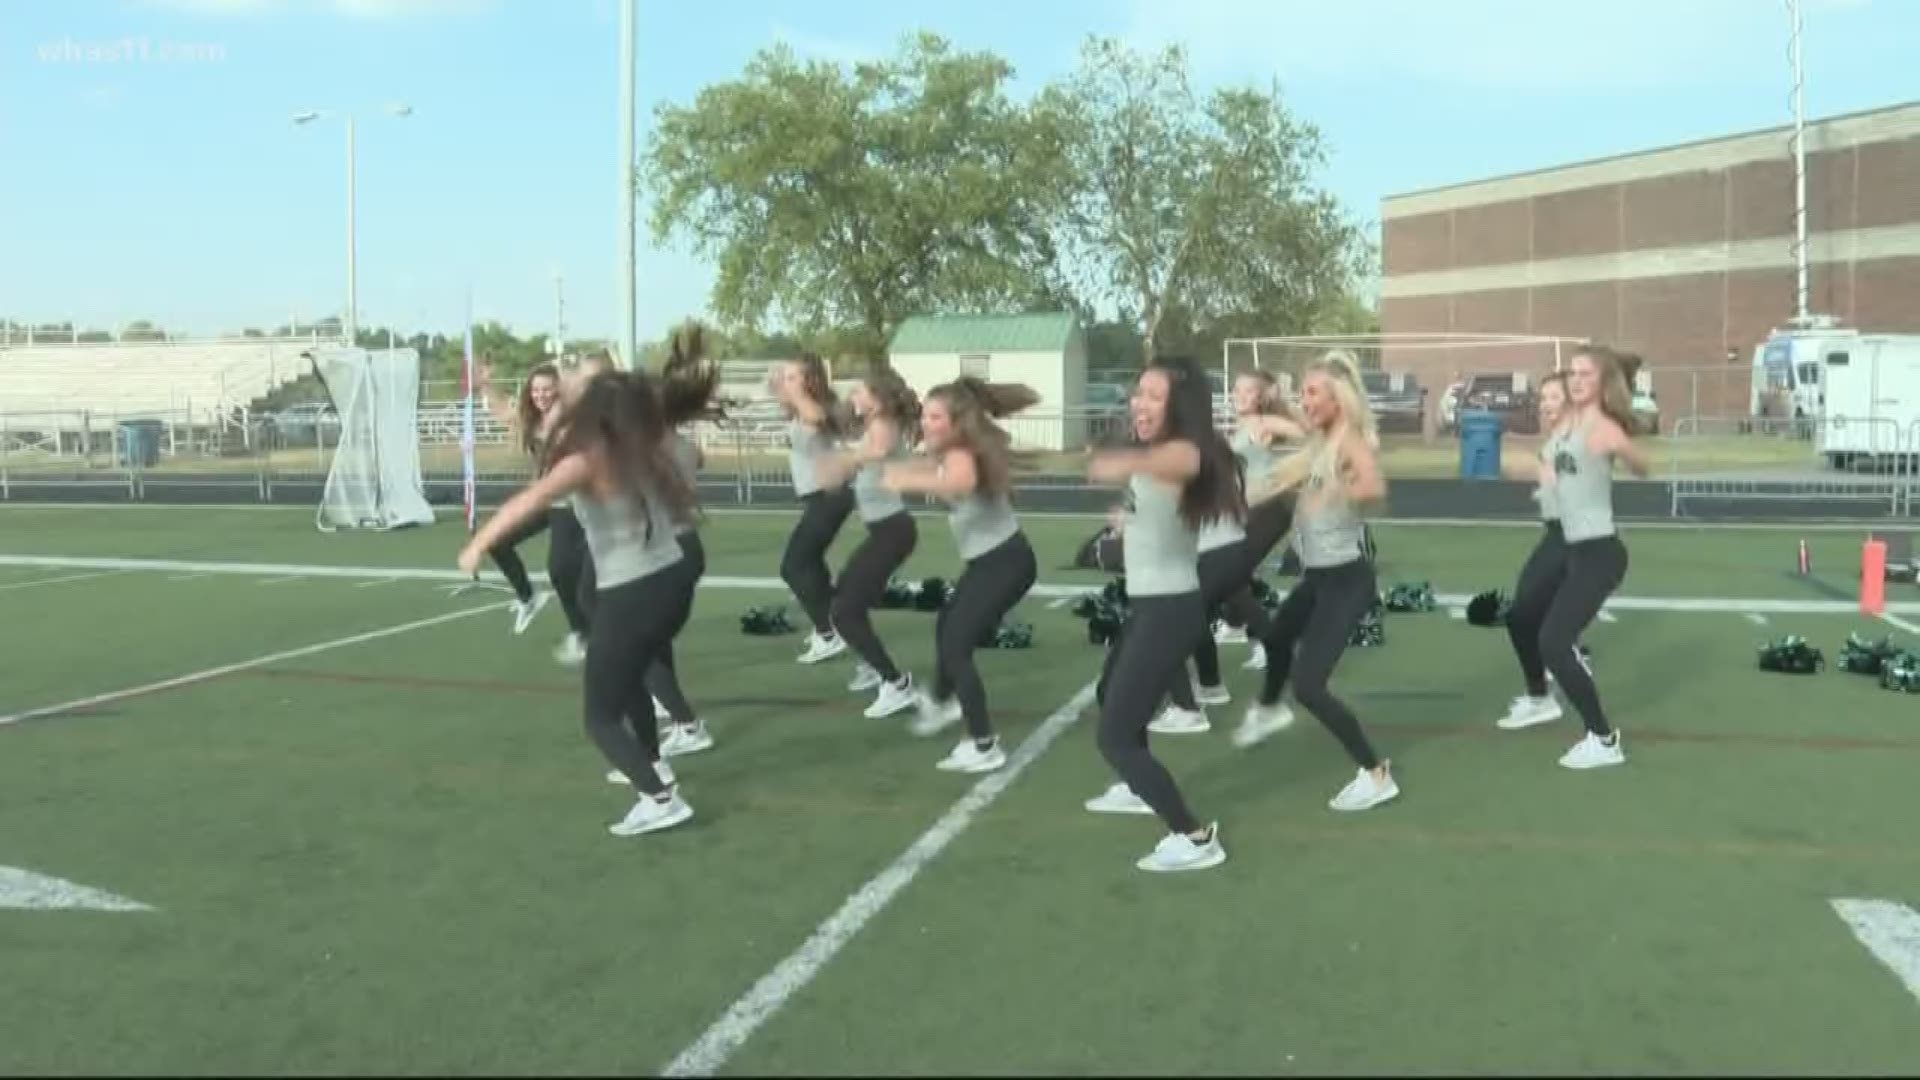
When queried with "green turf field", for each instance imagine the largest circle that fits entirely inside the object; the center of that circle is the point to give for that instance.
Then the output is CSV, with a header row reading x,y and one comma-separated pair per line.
x,y
390,854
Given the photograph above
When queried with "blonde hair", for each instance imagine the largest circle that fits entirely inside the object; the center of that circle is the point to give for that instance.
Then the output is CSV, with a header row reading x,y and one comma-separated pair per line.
x,y
1321,451
1616,395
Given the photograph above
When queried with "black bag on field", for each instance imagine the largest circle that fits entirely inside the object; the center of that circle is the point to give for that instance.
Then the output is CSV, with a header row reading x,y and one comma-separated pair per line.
x,y
1101,551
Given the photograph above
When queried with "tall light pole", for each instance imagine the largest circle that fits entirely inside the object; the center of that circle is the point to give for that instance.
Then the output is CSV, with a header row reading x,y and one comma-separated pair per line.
x,y
352,326
628,334
1799,169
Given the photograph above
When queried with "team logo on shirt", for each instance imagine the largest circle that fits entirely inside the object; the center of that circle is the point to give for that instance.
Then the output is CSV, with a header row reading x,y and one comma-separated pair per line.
x,y
1564,463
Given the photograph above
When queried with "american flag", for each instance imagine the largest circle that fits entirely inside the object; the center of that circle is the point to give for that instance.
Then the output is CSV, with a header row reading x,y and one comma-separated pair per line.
x,y
466,432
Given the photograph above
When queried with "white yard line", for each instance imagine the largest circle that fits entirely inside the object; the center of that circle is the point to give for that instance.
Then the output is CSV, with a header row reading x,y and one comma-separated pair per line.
x,y
1608,616
1891,932
63,579
710,1051
1712,605
279,580
1895,620
24,890
1755,618
244,665
375,583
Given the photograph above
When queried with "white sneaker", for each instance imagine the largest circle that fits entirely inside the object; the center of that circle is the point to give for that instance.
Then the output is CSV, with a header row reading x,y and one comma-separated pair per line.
x,y
651,815
1258,661
525,610
1118,799
1174,720
1211,695
894,697
864,678
660,711
572,650
1365,793
823,647
1177,851
968,758
686,739
1229,635
934,716
660,769
1261,723
1591,753
1526,711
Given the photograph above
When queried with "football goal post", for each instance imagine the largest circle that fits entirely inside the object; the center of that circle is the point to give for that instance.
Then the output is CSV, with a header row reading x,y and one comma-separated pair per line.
x,y
374,481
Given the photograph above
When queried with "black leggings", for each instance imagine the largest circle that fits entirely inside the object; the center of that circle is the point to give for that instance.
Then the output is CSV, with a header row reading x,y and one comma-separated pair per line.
x,y
1540,578
1267,522
988,588
1555,619
1319,615
1223,571
633,623
1161,632
509,561
804,565
663,679
570,567
864,580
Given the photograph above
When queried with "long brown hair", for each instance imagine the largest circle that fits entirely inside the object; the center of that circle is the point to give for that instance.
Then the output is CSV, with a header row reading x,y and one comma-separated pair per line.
x,y
689,380
620,414
974,404
1215,491
530,417
897,402
819,389
1616,395
1272,402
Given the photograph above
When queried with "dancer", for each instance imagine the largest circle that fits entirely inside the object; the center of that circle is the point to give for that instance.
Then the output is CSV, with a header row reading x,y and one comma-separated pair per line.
x,y
1263,420
800,386
609,455
1183,478
1223,568
532,417
689,383
1542,573
888,413
1338,472
1576,479
967,466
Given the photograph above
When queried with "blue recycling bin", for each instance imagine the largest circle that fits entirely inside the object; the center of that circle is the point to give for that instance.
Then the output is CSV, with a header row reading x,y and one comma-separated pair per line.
x,y
1480,445
140,443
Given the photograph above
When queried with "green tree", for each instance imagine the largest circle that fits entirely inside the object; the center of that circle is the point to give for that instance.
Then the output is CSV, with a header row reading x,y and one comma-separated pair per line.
x,y
830,198
1205,208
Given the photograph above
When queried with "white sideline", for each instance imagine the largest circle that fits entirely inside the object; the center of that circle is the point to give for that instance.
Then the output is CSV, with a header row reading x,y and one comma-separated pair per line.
x,y
706,1054
1716,605
1890,931
24,890
52,581
244,665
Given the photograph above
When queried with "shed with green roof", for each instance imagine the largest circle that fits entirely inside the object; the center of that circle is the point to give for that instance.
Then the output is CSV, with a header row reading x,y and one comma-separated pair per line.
x,y
1046,351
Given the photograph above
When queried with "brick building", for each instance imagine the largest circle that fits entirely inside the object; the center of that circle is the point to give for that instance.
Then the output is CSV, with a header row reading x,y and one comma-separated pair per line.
x,y
1678,254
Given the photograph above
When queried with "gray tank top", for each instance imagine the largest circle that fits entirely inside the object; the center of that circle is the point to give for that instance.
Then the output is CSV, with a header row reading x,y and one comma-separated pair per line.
x,y
1159,552
1583,482
1256,460
872,498
686,458
626,544
804,447
1547,495
1220,532
981,523
1328,534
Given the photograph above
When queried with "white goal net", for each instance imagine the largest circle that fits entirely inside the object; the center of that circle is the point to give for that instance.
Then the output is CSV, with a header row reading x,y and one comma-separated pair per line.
x,y
374,482
1419,382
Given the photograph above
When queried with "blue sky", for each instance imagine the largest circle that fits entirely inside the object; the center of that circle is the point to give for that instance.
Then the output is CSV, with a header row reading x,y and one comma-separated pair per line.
x,y
151,169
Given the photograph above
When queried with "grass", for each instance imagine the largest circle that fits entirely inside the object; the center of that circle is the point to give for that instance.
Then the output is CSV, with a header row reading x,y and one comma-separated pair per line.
x,y
1408,456
392,857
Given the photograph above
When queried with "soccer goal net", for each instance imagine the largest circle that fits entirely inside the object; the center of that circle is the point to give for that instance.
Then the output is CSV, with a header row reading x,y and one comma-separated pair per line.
x,y
1419,382
374,481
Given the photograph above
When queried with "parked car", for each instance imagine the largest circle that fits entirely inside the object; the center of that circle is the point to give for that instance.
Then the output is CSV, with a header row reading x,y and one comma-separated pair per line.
x,y
1646,413
1398,400
1513,397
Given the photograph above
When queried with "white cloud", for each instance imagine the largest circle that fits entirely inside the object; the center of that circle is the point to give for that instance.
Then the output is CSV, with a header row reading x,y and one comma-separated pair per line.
x,y
1517,44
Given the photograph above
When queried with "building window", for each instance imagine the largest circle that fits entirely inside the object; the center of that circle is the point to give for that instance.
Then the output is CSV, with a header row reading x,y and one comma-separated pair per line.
x,y
975,366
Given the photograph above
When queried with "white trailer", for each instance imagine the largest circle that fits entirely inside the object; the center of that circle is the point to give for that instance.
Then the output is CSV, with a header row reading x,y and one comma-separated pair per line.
x,y
1866,395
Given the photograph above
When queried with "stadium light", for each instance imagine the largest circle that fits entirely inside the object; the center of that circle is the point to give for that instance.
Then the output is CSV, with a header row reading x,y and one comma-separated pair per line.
x,y
399,111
